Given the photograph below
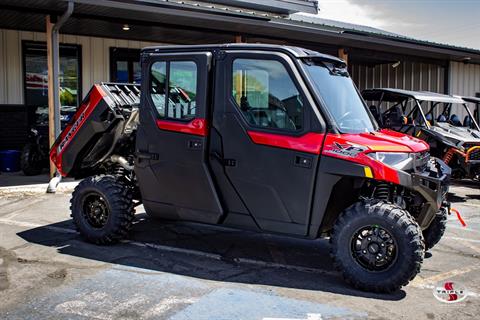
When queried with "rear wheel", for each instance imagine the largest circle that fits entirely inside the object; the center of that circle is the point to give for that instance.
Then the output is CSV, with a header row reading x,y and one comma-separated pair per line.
x,y
377,246
435,230
102,209
31,161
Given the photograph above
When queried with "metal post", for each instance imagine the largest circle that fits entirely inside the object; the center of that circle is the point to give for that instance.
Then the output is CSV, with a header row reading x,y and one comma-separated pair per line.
x,y
54,87
51,108
342,54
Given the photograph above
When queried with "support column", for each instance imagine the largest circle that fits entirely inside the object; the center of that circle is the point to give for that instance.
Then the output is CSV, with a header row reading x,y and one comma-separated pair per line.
x,y
343,54
51,80
53,64
239,39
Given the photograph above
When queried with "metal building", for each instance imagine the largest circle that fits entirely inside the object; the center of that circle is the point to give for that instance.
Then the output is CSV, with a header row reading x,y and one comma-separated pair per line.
x,y
101,39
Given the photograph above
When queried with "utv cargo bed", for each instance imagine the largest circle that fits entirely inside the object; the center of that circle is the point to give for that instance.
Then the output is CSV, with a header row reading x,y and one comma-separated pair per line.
x,y
97,126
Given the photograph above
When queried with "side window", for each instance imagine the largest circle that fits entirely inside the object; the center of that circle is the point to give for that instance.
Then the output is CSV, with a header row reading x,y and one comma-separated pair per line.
x,y
178,101
266,94
182,90
158,78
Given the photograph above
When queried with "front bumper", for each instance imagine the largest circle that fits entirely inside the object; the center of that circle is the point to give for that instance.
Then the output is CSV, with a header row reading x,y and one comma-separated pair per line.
x,y
432,184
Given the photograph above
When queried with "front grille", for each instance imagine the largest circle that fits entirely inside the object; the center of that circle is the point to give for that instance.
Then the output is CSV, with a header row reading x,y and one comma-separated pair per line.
x,y
421,161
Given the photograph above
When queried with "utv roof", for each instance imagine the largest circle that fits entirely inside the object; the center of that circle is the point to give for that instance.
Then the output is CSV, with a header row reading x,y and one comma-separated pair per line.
x,y
395,95
296,52
471,99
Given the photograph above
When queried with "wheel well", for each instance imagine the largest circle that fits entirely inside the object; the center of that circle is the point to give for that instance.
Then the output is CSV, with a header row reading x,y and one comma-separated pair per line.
x,y
345,193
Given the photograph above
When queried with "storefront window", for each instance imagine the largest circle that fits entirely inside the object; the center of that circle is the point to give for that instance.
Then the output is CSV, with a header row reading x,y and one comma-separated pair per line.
x,y
36,79
125,65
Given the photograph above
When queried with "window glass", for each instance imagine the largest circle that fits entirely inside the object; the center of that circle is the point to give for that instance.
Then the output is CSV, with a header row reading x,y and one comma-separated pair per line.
x,y
157,86
36,81
341,97
182,89
125,65
137,72
267,95
122,72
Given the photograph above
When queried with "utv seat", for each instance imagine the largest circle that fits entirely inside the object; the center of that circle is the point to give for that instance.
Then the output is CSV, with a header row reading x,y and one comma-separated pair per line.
x,y
429,118
376,115
455,120
441,118
394,117
467,122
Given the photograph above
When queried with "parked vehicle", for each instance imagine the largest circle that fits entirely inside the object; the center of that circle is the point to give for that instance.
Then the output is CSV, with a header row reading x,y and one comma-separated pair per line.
x,y
261,137
34,156
434,118
476,107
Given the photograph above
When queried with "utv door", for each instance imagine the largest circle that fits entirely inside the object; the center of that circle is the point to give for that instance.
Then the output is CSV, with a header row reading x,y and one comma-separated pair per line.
x,y
171,140
262,140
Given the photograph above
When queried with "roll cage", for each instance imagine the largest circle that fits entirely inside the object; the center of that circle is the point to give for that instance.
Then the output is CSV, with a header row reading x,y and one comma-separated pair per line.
x,y
425,109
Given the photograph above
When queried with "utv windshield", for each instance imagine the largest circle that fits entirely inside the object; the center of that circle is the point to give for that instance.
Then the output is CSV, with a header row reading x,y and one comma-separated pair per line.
x,y
340,96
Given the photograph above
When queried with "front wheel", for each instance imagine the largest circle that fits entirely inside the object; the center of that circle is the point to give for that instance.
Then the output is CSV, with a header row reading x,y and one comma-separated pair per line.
x,y
102,209
377,246
435,230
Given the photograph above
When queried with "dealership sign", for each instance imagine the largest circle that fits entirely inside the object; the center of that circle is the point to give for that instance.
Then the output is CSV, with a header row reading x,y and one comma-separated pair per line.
x,y
450,292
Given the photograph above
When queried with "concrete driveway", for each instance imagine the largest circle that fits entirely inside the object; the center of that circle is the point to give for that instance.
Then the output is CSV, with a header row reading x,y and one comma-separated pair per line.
x,y
188,271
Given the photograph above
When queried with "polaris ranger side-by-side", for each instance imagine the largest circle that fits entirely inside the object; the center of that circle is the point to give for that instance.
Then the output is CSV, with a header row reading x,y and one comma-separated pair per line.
x,y
434,118
261,137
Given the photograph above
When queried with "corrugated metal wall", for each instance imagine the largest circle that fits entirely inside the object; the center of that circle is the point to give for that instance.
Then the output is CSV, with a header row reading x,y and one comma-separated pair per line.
x,y
95,60
407,75
464,79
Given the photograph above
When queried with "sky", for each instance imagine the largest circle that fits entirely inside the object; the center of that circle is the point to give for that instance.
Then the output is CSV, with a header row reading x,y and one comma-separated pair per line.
x,y
454,22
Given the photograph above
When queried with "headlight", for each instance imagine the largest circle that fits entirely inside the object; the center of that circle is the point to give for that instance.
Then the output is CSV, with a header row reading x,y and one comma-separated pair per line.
x,y
398,160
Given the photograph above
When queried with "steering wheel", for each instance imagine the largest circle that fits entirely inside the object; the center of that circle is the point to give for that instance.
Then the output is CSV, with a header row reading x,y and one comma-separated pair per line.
x,y
344,116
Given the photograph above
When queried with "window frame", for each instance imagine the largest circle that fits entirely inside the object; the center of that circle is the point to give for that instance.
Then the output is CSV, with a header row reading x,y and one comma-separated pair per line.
x,y
78,47
289,66
201,88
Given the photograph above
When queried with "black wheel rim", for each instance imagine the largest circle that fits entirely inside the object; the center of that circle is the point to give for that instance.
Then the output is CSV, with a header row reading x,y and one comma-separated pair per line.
x,y
95,210
374,248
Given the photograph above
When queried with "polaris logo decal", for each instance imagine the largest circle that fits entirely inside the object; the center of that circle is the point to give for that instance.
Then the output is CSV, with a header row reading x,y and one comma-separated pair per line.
x,y
346,150
71,132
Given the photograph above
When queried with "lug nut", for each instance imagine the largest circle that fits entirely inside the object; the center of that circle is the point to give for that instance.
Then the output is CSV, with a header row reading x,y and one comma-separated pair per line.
x,y
369,239
364,251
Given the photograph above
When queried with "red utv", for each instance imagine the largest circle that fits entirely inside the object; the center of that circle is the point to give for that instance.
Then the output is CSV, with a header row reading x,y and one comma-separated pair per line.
x,y
262,137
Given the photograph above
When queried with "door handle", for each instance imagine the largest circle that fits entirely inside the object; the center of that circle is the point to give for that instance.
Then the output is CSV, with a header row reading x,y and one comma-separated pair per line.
x,y
303,162
195,144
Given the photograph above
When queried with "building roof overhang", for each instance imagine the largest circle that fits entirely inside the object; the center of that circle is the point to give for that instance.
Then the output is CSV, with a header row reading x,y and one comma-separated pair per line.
x,y
179,22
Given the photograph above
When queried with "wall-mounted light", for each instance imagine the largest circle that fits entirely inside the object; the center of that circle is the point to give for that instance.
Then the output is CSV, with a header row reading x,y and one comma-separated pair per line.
x,y
396,64
126,27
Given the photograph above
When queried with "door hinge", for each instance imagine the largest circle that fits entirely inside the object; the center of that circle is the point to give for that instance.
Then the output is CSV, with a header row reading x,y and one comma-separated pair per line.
x,y
224,162
147,155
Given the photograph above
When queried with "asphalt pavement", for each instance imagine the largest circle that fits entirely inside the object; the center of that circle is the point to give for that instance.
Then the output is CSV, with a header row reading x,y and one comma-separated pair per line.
x,y
176,271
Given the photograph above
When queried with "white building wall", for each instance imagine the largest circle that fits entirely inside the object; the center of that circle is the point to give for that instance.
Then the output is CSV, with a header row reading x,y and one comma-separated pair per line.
x,y
95,60
464,80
